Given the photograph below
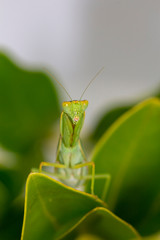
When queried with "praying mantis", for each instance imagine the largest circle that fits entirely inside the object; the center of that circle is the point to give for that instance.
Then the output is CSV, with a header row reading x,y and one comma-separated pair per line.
x,y
71,165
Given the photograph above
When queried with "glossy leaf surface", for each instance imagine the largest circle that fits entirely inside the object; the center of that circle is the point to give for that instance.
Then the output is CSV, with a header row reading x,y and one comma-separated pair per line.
x,y
53,209
130,152
101,223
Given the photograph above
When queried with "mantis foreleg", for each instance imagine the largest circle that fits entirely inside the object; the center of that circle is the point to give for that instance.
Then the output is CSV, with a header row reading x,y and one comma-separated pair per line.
x,y
48,164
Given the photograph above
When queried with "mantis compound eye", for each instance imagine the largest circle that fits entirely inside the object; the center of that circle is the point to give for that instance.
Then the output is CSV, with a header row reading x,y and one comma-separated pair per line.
x,y
66,104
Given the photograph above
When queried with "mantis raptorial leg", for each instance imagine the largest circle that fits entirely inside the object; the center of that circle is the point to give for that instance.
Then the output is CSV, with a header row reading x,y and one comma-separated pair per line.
x,y
48,164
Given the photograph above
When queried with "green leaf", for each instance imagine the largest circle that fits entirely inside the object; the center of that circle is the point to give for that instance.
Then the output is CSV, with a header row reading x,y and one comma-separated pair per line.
x,y
12,180
52,209
102,224
130,152
11,225
88,237
112,115
152,237
28,108
108,119
11,212
4,199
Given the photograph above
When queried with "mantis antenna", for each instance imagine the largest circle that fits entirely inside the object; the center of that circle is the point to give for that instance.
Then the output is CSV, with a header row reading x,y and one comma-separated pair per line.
x,y
91,81
58,83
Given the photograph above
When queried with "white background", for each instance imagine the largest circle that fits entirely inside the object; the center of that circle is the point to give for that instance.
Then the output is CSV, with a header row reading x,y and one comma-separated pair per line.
x,y
75,38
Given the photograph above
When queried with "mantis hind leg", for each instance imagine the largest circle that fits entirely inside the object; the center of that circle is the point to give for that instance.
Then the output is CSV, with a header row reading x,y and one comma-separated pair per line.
x,y
107,178
94,176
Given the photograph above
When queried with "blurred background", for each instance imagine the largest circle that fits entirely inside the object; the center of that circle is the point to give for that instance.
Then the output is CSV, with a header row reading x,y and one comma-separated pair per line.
x,y
73,40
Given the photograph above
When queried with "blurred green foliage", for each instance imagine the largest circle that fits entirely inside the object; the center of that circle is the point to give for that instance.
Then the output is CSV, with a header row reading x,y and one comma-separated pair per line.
x,y
29,107
130,152
127,147
107,120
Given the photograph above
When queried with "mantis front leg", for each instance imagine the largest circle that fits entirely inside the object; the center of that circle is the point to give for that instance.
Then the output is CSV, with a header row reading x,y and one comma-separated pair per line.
x,y
48,164
55,165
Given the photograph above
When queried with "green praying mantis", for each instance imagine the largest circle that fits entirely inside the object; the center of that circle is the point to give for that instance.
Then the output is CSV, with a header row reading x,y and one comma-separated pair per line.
x,y
71,165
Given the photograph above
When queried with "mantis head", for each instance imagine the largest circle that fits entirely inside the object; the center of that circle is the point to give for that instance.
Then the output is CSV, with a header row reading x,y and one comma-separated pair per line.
x,y
75,109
